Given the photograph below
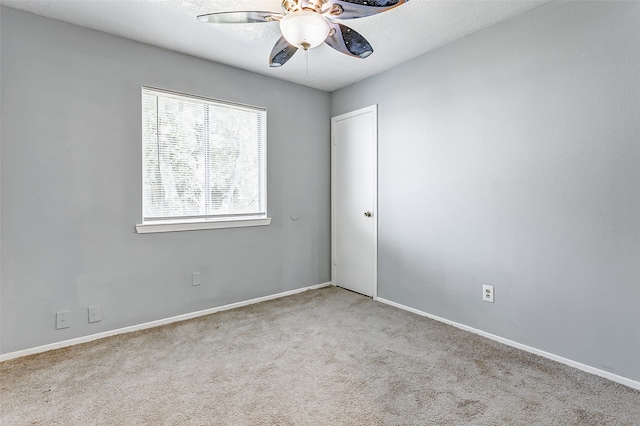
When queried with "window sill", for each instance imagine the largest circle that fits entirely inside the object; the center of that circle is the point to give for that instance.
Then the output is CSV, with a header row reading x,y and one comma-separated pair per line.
x,y
147,228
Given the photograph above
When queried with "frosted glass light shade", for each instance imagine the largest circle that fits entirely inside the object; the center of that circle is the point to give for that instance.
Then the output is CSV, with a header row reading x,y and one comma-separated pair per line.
x,y
305,29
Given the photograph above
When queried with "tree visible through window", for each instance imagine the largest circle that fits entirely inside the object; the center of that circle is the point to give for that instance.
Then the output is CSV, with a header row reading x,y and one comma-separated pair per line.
x,y
202,159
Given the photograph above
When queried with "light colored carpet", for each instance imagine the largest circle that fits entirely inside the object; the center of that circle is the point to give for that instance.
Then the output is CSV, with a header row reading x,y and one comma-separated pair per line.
x,y
323,357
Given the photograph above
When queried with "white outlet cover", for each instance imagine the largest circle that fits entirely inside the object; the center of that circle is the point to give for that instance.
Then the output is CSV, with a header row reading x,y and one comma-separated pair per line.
x,y
487,293
195,278
62,320
95,314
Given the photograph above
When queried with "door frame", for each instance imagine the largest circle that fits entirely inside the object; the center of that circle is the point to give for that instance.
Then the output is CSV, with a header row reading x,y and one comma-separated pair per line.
x,y
366,110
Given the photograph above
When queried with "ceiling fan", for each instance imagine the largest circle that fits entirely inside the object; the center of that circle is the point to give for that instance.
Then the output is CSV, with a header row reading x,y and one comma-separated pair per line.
x,y
307,23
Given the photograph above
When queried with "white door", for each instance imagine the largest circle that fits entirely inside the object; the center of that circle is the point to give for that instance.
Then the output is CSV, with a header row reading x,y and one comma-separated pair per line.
x,y
354,169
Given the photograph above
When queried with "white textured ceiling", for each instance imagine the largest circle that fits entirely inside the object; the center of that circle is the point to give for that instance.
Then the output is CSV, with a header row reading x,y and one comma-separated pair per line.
x,y
396,36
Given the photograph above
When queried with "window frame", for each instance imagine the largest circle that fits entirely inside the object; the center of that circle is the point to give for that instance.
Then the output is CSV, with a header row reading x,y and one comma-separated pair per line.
x,y
208,221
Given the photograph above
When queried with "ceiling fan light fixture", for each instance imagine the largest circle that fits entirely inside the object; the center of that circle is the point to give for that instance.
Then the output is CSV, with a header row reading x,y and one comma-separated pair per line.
x,y
305,29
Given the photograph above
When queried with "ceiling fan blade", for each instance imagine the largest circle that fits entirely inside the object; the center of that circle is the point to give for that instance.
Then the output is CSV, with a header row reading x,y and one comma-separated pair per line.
x,y
281,53
240,17
348,41
351,9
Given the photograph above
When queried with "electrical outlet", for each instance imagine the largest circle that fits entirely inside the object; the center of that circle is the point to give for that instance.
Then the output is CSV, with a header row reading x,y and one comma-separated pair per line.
x,y
195,278
62,320
95,313
487,293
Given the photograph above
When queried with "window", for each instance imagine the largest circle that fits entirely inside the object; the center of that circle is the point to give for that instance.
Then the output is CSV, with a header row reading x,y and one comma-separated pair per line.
x,y
203,163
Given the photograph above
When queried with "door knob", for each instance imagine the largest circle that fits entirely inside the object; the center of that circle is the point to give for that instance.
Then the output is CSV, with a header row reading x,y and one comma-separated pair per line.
x,y
368,214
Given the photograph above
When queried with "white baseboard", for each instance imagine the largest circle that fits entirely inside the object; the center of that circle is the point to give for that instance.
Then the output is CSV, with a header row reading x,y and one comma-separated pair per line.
x,y
586,368
157,323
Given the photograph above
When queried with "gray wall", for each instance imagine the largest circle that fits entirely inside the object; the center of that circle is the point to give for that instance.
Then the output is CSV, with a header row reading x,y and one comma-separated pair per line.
x,y
1,9
512,158
71,187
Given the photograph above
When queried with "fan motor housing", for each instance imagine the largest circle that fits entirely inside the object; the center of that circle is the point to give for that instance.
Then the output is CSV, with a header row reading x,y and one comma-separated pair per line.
x,y
295,5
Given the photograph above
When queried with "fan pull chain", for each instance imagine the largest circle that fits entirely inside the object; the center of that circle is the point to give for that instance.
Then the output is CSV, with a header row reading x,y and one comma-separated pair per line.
x,y
306,56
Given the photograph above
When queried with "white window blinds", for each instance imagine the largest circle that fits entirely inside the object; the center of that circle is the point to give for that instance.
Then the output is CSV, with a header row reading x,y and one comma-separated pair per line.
x,y
202,159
